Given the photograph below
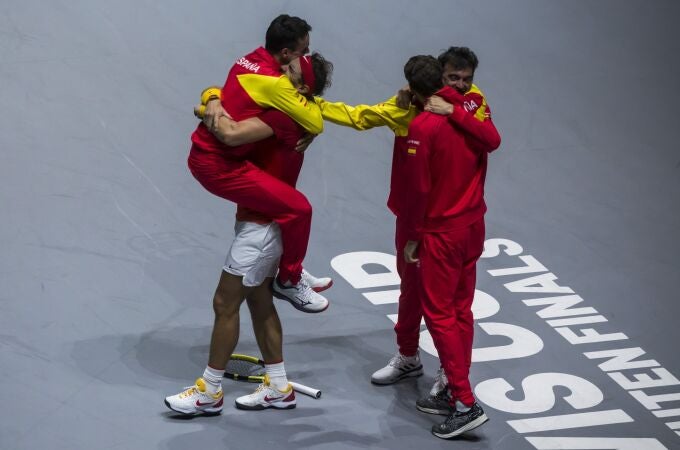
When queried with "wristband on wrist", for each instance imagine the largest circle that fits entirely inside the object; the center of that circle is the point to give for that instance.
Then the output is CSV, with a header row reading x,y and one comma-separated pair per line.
x,y
211,93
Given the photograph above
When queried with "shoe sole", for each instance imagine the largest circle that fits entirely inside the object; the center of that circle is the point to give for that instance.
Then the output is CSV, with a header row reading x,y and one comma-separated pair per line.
x,y
196,413
438,412
413,373
261,407
296,306
470,426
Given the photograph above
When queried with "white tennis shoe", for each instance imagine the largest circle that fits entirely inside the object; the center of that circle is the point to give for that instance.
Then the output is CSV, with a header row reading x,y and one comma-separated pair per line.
x,y
399,367
267,396
301,296
317,284
195,400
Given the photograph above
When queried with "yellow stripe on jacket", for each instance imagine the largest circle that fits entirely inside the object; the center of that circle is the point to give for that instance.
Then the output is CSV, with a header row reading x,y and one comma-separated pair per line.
x,y
279,93
481,113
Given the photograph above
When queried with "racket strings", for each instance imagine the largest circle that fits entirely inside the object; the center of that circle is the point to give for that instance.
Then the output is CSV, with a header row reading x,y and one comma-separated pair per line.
x,y
244,368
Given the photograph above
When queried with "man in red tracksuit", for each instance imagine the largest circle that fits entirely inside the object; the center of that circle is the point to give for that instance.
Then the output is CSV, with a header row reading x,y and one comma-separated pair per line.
x,y
468,112
256,83
437,194
462,105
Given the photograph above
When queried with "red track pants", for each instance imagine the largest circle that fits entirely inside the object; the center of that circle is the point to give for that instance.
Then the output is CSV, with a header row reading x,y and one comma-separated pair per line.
x,y
410,311
245,184
444,282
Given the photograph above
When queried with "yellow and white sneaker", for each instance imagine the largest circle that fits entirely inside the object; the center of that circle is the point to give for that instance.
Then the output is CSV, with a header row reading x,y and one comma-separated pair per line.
x,y
267,396
196,400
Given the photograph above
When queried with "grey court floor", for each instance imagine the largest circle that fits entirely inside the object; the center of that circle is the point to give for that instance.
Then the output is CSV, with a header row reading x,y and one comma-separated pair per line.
x,y
111,250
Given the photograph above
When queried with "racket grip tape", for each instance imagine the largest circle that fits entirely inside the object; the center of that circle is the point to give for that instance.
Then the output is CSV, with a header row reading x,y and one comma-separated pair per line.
x,y
302,389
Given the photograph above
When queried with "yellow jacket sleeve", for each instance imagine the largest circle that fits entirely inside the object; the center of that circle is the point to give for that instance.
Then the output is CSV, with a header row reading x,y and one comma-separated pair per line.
x,y
364,117
279,93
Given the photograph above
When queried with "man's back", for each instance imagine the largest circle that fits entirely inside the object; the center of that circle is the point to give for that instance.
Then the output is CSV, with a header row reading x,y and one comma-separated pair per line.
x,y
257,70
437,178
455,168
254,84
237,101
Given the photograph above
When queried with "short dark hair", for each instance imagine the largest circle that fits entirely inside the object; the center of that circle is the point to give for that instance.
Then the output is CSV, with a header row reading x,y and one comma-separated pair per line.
x,y
323,69
285,32
459,58
424,74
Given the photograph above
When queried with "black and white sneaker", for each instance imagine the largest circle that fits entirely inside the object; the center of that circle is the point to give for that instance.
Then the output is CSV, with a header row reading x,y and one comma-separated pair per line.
x,y
437,403
460,422
399,367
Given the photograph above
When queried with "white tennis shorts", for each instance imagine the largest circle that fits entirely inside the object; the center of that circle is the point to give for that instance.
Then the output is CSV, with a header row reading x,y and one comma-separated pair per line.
x,y
255,252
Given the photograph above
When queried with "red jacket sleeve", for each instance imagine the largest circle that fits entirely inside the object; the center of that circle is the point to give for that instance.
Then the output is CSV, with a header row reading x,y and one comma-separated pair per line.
x,y
483,133
417,178
472,115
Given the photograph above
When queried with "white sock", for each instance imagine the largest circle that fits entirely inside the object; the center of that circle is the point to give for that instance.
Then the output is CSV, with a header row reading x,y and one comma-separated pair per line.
x,y
213,379
286,283
412,358
277,375
461,407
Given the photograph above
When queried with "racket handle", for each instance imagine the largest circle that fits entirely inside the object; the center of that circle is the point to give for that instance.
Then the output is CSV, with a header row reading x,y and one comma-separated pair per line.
x,y
302,389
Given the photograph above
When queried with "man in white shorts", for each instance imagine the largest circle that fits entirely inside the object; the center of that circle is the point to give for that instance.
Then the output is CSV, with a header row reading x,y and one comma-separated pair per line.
x,y
248,271
255,251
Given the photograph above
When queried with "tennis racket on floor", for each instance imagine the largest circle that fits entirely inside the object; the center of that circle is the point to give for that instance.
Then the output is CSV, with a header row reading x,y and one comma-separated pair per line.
x,y
251,369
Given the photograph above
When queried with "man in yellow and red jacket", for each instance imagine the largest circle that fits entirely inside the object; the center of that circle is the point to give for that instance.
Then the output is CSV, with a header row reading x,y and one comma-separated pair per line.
x,y
256,83
253,257
467,111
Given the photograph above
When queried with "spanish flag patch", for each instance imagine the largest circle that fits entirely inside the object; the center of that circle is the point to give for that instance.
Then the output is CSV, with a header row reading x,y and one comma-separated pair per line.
x,y
411,151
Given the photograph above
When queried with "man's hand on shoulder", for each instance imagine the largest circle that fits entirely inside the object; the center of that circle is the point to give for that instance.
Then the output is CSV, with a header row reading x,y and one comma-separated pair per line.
x,y
438,105
305,142
404,97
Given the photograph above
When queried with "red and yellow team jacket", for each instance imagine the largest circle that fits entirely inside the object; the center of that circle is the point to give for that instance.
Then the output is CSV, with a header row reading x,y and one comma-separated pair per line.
x,y
472,126
275,155
256,83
